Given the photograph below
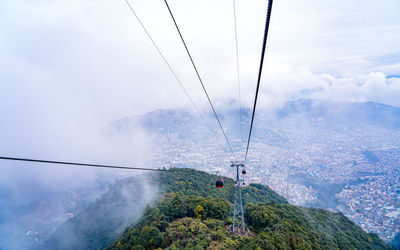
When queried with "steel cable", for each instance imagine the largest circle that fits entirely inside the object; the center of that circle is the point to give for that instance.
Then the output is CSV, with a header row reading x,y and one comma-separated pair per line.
x,y
259,73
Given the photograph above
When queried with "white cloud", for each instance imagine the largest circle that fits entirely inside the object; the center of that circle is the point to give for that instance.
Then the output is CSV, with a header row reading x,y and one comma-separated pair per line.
x,y
89,61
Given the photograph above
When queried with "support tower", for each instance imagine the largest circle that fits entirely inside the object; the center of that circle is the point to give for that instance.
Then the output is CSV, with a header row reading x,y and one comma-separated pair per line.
x,y
238,215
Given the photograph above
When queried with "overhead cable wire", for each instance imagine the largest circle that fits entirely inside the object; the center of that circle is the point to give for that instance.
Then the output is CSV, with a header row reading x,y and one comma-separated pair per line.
x,y
238,68
269,10
201,81
164,59
79,164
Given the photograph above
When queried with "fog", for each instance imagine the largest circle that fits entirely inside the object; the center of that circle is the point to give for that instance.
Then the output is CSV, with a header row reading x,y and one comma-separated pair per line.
x,y
105,219
36,198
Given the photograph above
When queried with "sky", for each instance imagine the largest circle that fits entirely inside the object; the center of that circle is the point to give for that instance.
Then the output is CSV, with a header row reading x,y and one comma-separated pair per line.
x,y
70,68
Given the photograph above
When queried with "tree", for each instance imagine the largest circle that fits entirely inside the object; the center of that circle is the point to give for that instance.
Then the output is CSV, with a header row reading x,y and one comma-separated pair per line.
x,y
199,212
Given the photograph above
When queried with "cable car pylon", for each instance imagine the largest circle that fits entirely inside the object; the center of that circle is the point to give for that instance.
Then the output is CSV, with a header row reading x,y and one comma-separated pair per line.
x,y
238,214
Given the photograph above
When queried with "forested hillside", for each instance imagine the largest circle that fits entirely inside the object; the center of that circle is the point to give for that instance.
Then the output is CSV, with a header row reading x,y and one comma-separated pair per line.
x,y
194,215
105,219
191,182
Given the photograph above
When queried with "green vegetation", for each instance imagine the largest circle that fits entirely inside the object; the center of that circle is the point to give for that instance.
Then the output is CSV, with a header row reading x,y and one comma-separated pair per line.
x,y
198,183
107,218
290,227
192,214
172,223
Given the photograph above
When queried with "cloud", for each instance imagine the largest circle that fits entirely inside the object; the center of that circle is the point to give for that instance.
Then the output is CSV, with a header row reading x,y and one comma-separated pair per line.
x,y
69,68
284,82
97,51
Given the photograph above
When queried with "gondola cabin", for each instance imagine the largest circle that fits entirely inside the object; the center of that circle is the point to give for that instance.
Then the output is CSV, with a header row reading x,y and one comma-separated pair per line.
x,y
243,171
219,183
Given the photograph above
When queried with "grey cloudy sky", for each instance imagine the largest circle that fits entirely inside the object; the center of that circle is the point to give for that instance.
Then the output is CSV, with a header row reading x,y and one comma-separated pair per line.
x,y
68,68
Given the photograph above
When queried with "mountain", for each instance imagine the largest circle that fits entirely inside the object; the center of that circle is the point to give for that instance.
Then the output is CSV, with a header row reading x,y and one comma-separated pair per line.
x,y
32,208
362,113
186,210
105,219
324,113
190,217
190,182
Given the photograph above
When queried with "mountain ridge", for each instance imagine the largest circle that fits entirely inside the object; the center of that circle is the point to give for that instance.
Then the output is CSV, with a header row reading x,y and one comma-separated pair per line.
x,y
181,192
122,205
183,221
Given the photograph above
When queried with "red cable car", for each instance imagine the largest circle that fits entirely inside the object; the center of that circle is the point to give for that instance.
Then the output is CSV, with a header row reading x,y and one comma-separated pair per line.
x,y
219,183
243,171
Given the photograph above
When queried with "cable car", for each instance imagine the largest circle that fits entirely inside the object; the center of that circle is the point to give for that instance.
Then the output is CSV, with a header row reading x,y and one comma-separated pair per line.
x,y
243,171
219,183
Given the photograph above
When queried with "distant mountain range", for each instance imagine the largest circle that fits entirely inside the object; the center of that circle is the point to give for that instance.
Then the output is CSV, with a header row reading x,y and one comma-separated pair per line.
x,y
316,110
307,114
335,113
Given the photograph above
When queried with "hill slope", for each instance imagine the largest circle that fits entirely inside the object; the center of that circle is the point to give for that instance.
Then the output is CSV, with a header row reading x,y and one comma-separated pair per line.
x,y
193,215
104,220
198,183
